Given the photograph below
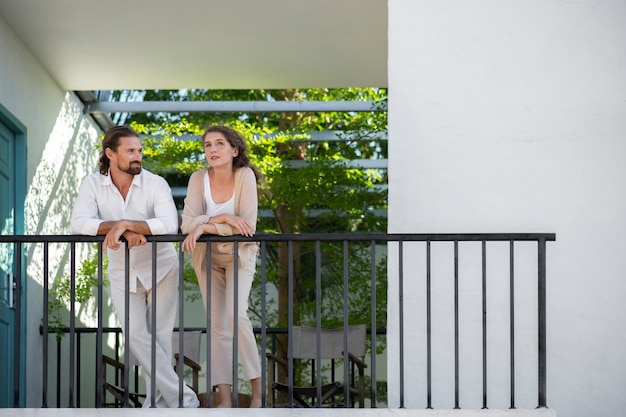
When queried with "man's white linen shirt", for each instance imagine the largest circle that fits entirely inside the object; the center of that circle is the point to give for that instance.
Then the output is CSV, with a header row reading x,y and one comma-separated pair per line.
x,y
149,199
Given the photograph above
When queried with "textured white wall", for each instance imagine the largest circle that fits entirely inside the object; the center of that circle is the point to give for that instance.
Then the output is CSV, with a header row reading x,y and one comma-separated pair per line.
x,y
59,144
509,116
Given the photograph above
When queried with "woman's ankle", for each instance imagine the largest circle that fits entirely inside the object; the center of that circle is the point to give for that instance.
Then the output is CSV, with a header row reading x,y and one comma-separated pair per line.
x,y
257,400
225,396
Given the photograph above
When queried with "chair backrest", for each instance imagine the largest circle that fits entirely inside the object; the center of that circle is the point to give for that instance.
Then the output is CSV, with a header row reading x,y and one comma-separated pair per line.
x,y
331,342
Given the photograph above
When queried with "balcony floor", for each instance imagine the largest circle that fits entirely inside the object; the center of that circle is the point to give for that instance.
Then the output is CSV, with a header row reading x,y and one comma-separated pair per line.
x,y
268,412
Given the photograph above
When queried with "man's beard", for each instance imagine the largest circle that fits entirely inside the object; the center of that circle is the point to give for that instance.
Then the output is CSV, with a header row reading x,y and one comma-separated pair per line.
x,y
134,168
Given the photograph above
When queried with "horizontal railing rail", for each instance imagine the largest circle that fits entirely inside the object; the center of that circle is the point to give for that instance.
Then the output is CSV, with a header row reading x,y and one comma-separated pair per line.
x,y
373,246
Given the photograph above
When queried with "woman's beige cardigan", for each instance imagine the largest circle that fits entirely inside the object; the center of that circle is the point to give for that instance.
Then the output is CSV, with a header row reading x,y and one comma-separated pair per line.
x,y
246,206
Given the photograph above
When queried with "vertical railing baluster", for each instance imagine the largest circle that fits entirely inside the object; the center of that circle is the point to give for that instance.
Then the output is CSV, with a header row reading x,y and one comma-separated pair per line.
x,y
126,374
290,290
209,336
99,320
153,330
512,318
181,325
17,343
318,322
346,319
456,325
236,326
401,316
72,361
44,371
373,319
484,318
541,294
263,324
429,360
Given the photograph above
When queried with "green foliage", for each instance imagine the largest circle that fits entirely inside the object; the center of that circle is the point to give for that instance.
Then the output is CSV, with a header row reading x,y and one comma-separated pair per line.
x,y
307,185
314,185
166,153
86,279
190,281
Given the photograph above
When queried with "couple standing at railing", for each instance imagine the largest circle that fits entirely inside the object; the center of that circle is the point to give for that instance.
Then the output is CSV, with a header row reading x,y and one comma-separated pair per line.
x,y
124,200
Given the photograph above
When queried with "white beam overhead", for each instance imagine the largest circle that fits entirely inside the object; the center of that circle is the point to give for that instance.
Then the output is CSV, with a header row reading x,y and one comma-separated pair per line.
x,y
234,106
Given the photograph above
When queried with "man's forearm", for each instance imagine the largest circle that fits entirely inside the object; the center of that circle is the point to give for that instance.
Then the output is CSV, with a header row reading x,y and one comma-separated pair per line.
x,y
140,227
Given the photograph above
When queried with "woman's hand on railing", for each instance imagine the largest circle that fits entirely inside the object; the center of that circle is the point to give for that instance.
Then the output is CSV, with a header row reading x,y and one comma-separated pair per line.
x,y
189,244
243,226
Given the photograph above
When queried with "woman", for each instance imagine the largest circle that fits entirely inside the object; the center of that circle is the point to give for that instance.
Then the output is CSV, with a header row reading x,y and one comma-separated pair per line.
x,y
222,200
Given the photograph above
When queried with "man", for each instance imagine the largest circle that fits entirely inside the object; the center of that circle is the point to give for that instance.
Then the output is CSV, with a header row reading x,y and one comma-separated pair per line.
x,y
124,200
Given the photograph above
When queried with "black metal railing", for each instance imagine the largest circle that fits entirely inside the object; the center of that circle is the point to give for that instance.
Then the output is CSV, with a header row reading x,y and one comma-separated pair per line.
x,y
376,245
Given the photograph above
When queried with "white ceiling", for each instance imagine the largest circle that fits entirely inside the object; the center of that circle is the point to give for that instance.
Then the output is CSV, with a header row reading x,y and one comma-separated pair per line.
x,y
229,44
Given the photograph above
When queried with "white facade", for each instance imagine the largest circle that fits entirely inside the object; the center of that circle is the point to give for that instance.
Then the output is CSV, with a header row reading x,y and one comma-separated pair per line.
x,y
505,116
510,116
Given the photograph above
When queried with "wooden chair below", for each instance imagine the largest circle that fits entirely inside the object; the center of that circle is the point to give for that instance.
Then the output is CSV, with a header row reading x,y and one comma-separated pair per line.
x,y
135,398
332,349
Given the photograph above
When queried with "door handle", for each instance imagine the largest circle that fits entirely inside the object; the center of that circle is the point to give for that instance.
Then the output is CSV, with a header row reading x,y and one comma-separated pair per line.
x,y
11,288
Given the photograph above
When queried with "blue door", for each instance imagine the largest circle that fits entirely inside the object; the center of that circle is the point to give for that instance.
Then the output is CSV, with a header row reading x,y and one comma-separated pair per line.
x,y
7,254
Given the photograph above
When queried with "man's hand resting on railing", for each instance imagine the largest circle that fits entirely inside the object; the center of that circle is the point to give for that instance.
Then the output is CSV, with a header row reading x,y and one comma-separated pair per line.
x,y
134,239
115,230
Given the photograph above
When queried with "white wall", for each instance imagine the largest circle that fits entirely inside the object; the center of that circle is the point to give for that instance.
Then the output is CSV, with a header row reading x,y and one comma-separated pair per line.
x,y
510,116
60,153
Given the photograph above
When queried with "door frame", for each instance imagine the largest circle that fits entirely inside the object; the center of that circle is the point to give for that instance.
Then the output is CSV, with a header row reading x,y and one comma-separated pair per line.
x,y
19,176
19,130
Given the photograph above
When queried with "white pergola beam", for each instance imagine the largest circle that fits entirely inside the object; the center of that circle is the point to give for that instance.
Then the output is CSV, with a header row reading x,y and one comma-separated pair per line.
x,y
233,106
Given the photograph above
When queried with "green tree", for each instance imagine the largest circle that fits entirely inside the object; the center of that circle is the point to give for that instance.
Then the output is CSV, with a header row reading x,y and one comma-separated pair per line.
x,y
308,185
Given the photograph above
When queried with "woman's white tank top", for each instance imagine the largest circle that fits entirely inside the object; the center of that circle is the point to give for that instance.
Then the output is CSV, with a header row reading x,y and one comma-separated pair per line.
x,y
212,208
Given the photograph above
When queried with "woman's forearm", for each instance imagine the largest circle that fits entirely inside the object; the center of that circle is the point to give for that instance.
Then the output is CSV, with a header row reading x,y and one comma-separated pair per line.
x,y
220,218
210,229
